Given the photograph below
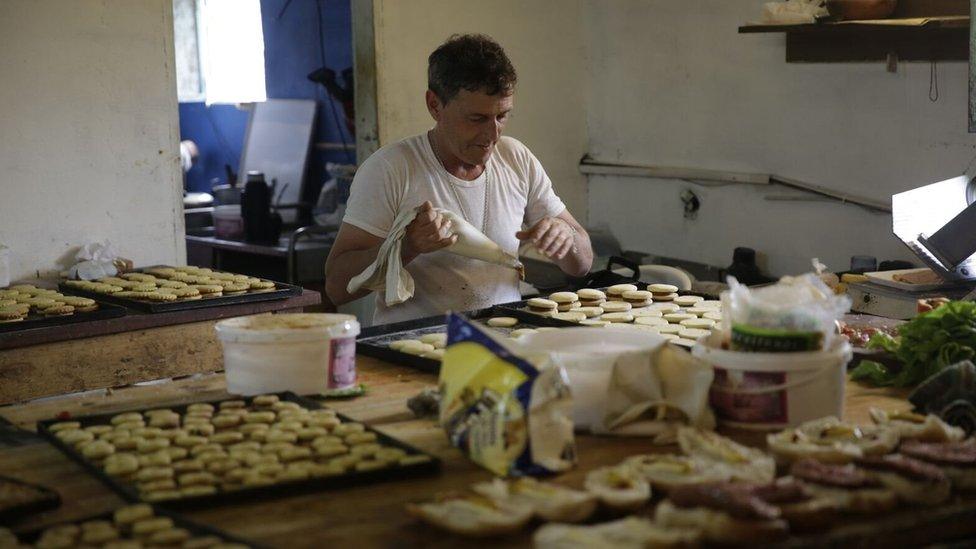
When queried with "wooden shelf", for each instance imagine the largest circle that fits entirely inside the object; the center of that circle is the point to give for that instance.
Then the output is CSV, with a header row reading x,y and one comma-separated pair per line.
x,y
943,38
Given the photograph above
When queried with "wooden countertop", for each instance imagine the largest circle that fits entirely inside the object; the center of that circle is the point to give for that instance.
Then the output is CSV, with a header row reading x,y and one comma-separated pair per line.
x,y
137,320
369,516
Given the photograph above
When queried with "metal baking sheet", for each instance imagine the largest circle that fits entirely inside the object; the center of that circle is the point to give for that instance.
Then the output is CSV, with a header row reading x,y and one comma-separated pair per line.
x,y
35,320
374,341
523,304
195,528
282,291
129,492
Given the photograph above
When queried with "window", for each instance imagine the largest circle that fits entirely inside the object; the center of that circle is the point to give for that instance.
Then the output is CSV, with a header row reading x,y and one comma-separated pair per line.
x,y
219,51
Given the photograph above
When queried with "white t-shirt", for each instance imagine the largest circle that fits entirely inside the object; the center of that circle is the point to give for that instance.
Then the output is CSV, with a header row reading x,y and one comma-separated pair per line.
x,y
405,174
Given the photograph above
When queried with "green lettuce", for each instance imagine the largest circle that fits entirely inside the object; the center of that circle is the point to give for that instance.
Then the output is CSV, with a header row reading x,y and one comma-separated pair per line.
x,y
924,346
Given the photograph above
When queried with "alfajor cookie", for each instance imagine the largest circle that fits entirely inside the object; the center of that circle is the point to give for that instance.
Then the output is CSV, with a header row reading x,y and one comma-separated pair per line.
x,y
617,290
662,289
569,316
564,297
638,298
591,295
542,305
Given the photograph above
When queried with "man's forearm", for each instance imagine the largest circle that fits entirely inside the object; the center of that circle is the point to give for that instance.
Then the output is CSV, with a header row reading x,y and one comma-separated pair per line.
x,y
579,259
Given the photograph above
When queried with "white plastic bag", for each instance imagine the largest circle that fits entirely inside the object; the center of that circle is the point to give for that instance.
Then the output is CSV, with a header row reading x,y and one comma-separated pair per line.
x,y
795,314
94,260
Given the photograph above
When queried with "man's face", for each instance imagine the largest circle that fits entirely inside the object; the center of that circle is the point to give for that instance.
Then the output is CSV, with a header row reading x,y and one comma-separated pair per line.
x,y
472,122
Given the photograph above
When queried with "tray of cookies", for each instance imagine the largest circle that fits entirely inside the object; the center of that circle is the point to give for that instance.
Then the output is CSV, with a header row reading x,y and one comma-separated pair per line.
x,y
162,288
420,343
138,525
224,451
25,306
681,317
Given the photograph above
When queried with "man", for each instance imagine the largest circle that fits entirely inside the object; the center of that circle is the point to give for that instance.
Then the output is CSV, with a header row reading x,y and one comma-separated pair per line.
x,y
463,165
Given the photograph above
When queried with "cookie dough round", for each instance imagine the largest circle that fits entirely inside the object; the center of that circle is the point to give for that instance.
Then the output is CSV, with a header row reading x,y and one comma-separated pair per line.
x,y
438,340
418,348
590,312
668,328
688,300
682,342
676,318
594,322
665,308
618,317
649,320
646,311
697,311
694,333
522,332
502,322
569,316
436,354
699,323
616,307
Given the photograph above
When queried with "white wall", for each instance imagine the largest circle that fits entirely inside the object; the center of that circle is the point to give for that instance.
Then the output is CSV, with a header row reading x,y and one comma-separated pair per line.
x,y
89,131
673,84
544,39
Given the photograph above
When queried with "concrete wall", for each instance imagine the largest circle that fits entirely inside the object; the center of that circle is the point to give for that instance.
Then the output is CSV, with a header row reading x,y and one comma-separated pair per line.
x,y
88,131
544,39
673,84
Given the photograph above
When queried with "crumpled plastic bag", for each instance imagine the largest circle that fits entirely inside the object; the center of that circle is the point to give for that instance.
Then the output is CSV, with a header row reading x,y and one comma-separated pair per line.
x,y
627,383
795,314
94,260
509,414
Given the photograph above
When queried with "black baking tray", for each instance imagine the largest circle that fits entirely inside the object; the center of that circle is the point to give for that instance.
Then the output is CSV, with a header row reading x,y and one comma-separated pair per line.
x,y
129,492
282,291
35,320
195,528
373,341
49,500
519,305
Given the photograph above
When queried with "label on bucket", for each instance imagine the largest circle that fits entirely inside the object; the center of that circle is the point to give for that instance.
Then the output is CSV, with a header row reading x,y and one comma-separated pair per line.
x,y
342,363
739,396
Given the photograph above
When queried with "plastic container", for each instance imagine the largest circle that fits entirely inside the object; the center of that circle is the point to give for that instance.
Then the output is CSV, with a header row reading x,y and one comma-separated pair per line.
x,y
228,222
772,391
308,353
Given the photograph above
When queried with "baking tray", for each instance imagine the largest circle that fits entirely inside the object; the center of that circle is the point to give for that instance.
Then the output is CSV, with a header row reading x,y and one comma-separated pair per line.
x,y
522,304
195,528
283,291
129,492
374,341
35,320
887,278
49,500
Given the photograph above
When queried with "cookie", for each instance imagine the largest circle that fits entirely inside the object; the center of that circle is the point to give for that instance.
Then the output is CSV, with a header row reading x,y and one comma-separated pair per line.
x,y
662,289
676,318
688,300
58,310
682,342
541,305
171,284
650,321
594,322
616,307
665,307
570,316
694,333
646,312
589,294
564,297
209,290
563,307
713,315
617,290
698,323
186,293
665,297
618,317
81,304
590,312
638,298
438,340
502,322
138,277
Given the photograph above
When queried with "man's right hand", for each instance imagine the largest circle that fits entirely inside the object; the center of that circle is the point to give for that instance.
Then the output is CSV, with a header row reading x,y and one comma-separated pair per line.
x,y
428,232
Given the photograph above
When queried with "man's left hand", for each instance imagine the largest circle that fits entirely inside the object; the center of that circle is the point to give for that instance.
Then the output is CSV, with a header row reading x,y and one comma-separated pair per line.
x,y
552,236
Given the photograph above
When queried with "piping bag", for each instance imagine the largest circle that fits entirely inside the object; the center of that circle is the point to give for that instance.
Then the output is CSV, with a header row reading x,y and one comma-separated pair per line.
x,y
388,275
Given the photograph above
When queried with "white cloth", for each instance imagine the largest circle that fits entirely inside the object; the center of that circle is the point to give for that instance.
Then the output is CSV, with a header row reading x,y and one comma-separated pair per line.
x,y
401,176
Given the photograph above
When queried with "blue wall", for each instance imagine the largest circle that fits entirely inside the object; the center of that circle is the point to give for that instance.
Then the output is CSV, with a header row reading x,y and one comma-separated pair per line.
x,y
293,47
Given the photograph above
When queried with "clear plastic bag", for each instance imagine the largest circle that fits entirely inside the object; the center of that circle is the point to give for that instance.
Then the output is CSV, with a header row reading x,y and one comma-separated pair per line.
x,y
795,314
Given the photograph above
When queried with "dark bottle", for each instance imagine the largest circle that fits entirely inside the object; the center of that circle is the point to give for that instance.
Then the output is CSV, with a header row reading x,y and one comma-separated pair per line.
x,y
744,268
260,224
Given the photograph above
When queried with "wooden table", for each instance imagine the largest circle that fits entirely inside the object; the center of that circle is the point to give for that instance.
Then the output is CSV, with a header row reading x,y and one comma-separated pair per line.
x,y
55,360
367,516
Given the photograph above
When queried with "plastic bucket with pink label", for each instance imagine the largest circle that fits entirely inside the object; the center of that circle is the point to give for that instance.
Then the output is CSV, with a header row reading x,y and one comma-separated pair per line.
x,y
307,353
772,391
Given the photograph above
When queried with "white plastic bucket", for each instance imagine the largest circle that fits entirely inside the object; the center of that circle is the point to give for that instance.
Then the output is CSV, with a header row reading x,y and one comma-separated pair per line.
x,y
305,353
228,222
771,391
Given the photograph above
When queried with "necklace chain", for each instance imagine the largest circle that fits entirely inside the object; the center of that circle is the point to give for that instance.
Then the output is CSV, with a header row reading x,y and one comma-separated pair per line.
x,y
457,196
